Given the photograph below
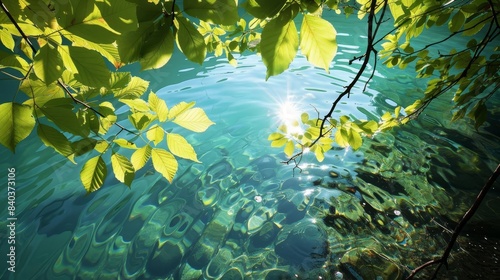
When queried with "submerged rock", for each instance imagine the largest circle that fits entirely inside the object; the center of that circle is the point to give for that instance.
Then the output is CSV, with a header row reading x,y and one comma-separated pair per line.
x,y
305,245
365,263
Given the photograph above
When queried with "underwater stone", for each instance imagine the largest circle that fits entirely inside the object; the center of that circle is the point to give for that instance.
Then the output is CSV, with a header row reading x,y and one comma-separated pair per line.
x,y
275,273
219,171
265,236
212,239
165,260
209,196
256,221
232,274
219,263
265,162
365,263
305,245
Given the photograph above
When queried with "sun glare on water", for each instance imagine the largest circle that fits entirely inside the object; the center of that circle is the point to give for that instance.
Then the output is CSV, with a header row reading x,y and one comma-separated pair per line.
x,y
289,115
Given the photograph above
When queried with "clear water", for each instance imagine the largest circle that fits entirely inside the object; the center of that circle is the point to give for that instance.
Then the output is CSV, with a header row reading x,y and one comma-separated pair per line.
x,y
241,214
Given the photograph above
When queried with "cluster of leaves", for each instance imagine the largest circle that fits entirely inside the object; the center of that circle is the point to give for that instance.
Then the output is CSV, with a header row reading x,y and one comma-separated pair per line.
x,y
60,52
471,72
306,135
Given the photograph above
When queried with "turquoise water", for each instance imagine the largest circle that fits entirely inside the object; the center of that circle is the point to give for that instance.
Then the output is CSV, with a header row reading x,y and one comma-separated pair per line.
x,y
241,214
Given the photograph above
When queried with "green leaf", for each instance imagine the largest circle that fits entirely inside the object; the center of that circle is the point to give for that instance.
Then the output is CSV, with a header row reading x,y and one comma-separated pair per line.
x,y
82,18
51,137
93,174
131,43
342,137
194,119
318,41
275,136
180,147
123,169
6,39
89,65
38,90
106,109
189,40
83,146
289,148
222,12
279,142
158,106
180,108
48,64
14,61
278,45
157,50
140,157
134,89
355,140
101,146
16,123
456,21
155,134
165,163
136,104
479,114
63,117
125,144
369,127
264,8
141,120
118,14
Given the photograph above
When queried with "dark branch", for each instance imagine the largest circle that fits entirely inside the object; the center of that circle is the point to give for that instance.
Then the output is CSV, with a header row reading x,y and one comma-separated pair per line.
x,y
467,216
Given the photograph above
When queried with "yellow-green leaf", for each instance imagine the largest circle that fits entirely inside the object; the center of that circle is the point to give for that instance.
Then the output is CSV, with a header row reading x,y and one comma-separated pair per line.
x,y
51,137
165,163
134,89
319,153
48,64
157,50
289,148
141,120
16,123
278,45
355,140
275,136
93,174
125,144
189,40
341,137
155,134
6,39
123,169
136,104
140,157
180,147
318,41
91,70
194,119
179,108
279,142
158,106
456,21
101,146
223,12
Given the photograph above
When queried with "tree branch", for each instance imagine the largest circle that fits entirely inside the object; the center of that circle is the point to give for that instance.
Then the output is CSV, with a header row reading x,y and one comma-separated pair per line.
x,y
467,216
